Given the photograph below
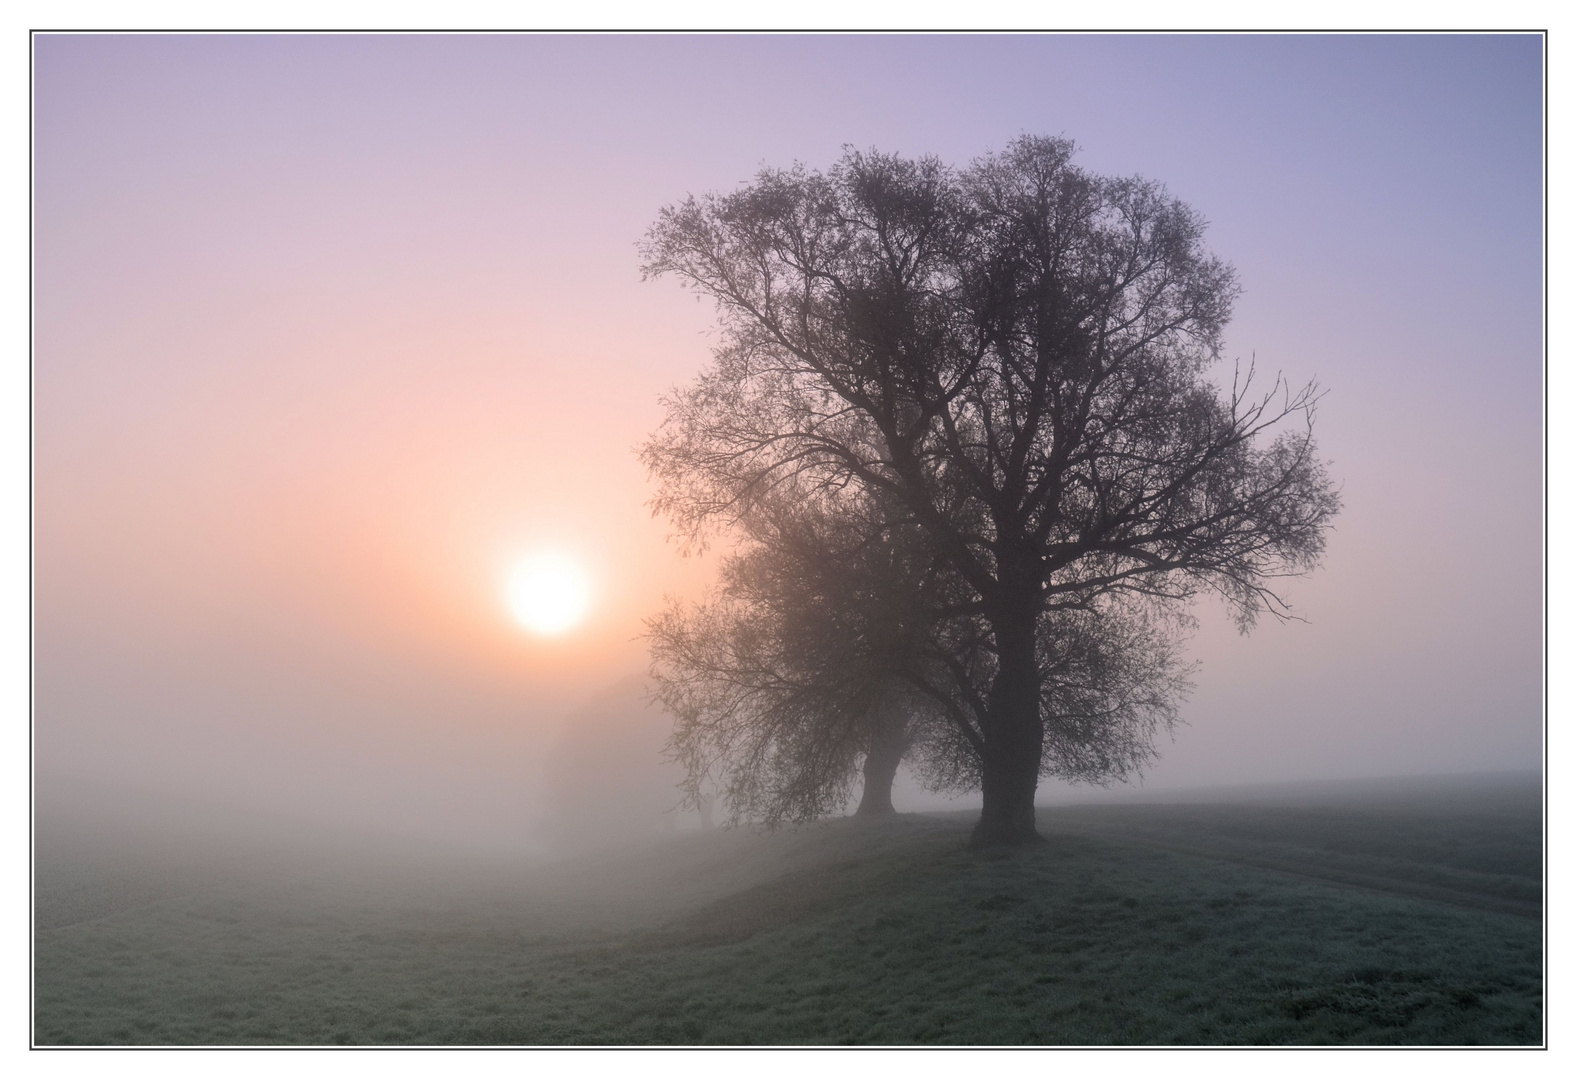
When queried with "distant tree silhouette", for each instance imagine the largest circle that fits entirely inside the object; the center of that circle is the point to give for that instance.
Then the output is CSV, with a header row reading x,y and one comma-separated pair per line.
x,y
1010,358
606,780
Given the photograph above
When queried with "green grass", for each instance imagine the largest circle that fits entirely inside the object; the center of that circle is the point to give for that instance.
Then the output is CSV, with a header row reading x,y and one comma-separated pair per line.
x,y
1402,922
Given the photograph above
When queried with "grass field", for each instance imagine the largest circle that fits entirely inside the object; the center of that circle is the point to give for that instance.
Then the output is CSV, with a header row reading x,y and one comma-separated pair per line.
x,y
1369,915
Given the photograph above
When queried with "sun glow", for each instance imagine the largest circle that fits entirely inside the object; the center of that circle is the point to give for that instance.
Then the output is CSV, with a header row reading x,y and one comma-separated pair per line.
x,y
549,594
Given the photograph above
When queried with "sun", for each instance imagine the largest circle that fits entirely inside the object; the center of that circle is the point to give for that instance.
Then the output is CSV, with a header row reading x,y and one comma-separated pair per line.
x,y
549,594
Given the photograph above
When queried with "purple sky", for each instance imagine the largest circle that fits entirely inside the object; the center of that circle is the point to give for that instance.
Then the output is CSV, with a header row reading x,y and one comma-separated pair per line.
x,y
330,331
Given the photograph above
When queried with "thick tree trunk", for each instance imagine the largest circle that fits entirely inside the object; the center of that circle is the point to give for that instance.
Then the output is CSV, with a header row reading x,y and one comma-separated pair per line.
x,y
889,742
1010,764
1007,811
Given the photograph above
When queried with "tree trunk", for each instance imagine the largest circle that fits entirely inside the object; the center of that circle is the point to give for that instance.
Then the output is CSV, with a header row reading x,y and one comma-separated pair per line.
x,y
1010,764
889,742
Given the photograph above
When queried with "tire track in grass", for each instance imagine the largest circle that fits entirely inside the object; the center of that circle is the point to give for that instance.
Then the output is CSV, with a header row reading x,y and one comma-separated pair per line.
x,y
1415,890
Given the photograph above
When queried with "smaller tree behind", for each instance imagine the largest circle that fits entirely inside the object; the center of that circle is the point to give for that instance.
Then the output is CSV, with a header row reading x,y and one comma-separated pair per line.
x,y
800,673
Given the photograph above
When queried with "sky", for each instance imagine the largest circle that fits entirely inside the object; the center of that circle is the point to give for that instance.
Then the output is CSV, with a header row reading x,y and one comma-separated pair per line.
x,y
330,333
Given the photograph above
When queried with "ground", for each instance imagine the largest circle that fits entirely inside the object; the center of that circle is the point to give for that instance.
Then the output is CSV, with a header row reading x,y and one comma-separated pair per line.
x,y
1377,917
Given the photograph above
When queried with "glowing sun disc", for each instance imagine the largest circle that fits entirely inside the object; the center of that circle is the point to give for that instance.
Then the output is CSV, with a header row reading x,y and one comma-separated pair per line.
x,y
549,594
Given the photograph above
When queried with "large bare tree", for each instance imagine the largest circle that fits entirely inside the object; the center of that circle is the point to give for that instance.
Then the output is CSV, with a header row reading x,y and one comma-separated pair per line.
x,y
1015,357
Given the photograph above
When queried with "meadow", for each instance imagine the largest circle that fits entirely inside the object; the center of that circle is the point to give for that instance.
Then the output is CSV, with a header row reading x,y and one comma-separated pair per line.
x,y
1402,913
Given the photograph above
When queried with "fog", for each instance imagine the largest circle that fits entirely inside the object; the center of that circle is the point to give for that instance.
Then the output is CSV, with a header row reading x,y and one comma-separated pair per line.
x,y
331,332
